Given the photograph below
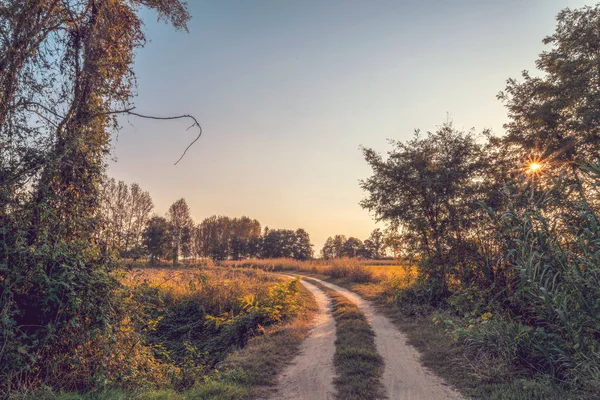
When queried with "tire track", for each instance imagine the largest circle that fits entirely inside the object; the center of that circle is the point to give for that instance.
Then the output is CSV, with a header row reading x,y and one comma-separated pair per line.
x,y
310,376
404,377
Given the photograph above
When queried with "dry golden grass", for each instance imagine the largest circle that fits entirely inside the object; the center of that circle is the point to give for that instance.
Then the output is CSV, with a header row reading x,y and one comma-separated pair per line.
x,y
218,289
247,372
394,271
352,268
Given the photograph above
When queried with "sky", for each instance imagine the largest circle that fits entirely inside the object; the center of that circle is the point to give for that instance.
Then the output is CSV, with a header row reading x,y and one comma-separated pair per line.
x,y
287,92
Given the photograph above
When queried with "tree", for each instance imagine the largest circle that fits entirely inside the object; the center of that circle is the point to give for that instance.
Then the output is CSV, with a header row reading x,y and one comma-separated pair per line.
x,y
156,237
376,245
429,187
302,246
255,247
138,213
242,231
279,243
214,235
123,212
224,237
554,117
393,241
334,247
180,222
328,251
351,247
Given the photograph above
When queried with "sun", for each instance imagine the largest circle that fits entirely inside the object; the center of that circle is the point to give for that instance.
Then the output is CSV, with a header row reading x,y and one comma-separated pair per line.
x,y
534,167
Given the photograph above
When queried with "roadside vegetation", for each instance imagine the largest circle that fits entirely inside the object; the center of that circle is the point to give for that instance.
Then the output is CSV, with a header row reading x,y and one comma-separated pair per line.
x,y
506,229
194,334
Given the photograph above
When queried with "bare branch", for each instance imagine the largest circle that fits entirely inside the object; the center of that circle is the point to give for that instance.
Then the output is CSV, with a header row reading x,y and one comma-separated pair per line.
x,y
196,123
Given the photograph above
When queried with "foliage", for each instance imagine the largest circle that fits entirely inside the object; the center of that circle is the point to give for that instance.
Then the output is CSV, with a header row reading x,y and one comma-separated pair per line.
x,y
221,237
66,73
552,283
282,243
511,251
339,247
554,113
195,318
241,375
180,225
155,237
429,188
123,212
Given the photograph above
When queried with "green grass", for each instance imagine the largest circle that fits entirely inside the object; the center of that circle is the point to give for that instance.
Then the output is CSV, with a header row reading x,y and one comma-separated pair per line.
x,y
476,375
358,366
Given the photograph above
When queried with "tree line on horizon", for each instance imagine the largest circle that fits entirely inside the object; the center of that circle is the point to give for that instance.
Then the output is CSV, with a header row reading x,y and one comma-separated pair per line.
x,y
128,228
373,248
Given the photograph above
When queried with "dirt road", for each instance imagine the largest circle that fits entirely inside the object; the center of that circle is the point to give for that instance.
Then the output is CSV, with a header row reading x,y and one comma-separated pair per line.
x,y
310,376
404,377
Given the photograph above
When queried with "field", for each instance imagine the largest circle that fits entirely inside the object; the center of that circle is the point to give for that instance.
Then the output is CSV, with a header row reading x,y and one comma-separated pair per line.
x,y
228,330
359,269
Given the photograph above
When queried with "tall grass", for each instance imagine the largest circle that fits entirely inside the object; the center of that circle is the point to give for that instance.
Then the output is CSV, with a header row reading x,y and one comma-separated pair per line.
x,y
197,316
175,326
351,269
533,312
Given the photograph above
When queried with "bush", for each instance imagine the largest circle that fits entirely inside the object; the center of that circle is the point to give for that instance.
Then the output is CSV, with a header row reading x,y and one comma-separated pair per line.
x,y
535,313
549,322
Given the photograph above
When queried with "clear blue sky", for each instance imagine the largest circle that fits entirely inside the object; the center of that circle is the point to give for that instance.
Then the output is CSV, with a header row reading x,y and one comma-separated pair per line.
x,y
287,91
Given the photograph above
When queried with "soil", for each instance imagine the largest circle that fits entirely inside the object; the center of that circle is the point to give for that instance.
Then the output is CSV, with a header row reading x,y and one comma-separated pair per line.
x,y
310,376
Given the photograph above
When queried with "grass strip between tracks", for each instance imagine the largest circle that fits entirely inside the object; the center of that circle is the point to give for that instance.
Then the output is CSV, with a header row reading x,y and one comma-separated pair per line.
x,y
358,366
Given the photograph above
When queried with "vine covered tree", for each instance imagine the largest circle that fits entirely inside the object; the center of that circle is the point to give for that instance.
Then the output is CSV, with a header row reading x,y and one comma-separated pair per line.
x,y
66,73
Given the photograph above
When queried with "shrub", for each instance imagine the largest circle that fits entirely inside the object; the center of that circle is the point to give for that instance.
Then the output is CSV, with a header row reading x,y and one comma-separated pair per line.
x,y
550,319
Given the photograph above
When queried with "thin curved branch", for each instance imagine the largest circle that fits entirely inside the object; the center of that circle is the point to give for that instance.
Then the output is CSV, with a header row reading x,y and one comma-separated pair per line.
x,y
196,123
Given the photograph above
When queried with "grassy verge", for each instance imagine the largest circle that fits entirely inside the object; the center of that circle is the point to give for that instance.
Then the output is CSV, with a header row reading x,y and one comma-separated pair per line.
x,y
252,371
476,375
358,366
